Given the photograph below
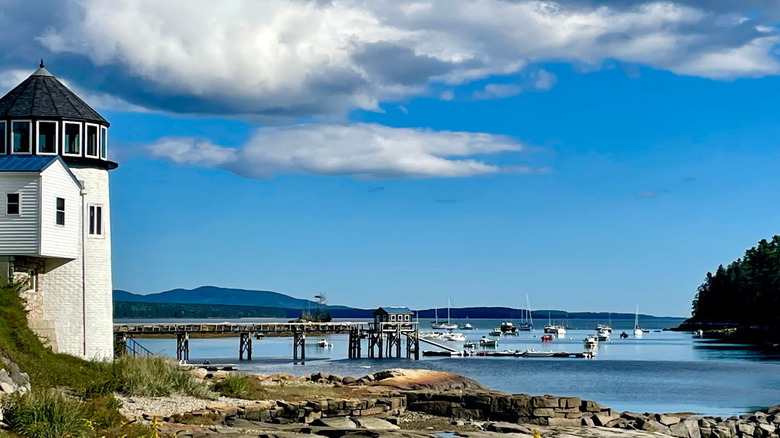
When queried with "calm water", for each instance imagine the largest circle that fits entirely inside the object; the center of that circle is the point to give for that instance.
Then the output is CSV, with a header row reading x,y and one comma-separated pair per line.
x,y
661,372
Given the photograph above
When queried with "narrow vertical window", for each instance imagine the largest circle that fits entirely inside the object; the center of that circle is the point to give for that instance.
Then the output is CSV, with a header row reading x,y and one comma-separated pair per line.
x,y
96,220
12,203
72,143
60,211
32,280
47,137
103,142
20,137
92,141
2,138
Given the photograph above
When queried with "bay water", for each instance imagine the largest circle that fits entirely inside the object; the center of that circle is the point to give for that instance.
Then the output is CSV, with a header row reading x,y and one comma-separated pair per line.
x,y
663,371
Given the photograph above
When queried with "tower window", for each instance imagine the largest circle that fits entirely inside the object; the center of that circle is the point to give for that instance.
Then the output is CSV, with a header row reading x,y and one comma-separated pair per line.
x,y
72,144
96,220
2,138
60,211
103,142
21,137
47,137
12,203
92,141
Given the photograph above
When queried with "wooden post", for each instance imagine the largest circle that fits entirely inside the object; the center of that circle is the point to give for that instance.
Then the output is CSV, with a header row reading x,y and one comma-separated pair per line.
x,y
245,346
398,340
417,342
183,346
299,339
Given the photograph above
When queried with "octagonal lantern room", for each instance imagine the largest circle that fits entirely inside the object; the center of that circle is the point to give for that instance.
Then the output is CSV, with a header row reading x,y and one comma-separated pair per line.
x,y
41,116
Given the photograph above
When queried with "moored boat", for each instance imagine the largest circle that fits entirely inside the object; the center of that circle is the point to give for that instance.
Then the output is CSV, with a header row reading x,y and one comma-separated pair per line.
x,y
591,341
487,342
495,332
453,337
507,328
547,338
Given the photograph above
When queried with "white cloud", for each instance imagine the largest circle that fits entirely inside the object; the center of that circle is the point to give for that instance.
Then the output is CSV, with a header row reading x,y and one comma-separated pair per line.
x,y
299,58
360,150
540,80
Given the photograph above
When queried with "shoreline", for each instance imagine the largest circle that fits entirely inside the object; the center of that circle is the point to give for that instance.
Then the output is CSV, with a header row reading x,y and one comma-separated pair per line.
x,y
424,400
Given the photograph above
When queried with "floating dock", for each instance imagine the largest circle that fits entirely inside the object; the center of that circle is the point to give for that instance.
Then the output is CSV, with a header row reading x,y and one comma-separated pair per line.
x,y
510,353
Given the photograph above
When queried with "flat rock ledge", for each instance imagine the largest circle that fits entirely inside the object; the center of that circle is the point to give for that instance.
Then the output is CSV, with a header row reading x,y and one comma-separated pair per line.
x,y
472,410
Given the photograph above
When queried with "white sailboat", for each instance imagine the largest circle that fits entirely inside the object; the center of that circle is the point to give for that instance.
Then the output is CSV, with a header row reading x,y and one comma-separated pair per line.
x,y
527,324
448,325
637,330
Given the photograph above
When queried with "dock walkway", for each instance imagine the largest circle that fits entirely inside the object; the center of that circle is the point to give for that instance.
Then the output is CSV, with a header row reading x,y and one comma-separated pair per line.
x,y
245,332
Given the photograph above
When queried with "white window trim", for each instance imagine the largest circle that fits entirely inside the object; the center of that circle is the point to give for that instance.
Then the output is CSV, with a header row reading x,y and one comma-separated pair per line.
x,y
56,210
11,146
38,137
102,234
103,147
5,204
81,139
5,143
86,140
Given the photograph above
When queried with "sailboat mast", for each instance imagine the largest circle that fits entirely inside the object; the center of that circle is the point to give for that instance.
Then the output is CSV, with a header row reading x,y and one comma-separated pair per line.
x,y
448,309
530,315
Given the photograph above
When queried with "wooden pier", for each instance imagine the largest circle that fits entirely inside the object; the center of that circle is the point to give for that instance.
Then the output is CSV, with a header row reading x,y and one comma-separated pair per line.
x,y
245,333
385,336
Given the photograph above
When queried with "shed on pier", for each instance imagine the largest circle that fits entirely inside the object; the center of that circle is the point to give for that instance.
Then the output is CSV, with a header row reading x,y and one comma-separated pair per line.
x,y
392,314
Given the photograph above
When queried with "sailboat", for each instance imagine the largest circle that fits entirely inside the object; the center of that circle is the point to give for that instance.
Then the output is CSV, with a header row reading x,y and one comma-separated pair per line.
x,y
637,330
527,323
445,326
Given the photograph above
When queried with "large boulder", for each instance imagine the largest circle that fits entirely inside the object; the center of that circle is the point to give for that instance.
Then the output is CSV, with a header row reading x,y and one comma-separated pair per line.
x,y
423,379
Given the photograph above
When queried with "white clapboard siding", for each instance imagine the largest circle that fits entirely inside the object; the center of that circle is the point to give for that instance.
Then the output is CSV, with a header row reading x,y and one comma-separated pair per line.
x,y
19,234
57,240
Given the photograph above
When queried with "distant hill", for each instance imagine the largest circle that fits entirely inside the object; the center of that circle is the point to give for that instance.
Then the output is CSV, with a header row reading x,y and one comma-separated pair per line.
x,y
237,303
224,296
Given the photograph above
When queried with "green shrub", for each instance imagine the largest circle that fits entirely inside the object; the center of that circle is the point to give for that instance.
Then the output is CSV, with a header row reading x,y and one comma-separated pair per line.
x,y
235,385
45,414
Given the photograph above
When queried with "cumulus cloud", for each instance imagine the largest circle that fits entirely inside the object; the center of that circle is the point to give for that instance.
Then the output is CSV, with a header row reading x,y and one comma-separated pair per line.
x,y
360,150
297,58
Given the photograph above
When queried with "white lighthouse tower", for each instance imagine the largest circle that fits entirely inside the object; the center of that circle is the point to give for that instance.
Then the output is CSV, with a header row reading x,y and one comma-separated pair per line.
x,y
55,232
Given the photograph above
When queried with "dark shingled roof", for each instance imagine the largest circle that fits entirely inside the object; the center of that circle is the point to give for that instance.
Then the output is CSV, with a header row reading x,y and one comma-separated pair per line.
x,y
394,310
42,95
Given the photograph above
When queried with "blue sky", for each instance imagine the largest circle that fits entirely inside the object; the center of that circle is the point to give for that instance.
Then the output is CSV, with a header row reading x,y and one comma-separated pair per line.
x,y
595,155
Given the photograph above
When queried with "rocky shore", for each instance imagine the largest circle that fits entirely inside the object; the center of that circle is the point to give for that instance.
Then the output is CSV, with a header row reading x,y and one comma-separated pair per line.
x,y
422,403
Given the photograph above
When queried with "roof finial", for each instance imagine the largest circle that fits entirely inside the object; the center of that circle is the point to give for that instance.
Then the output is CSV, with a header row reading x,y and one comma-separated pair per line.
x,y
41,62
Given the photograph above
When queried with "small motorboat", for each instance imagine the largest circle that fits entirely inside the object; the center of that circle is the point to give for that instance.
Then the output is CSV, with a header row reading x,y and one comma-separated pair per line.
x,y
453,337
508,327
470,344
698,333
495,332
623,335
467,326
534,353
603,334
323,343
591,341
547,338
487,342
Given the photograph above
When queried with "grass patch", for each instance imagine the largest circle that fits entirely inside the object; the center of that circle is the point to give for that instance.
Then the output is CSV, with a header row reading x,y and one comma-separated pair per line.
x,y
45,413
248,387
73,397
156,377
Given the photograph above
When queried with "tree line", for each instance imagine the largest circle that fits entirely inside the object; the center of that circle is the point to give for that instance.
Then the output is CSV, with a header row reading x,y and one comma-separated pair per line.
x,y
744,293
